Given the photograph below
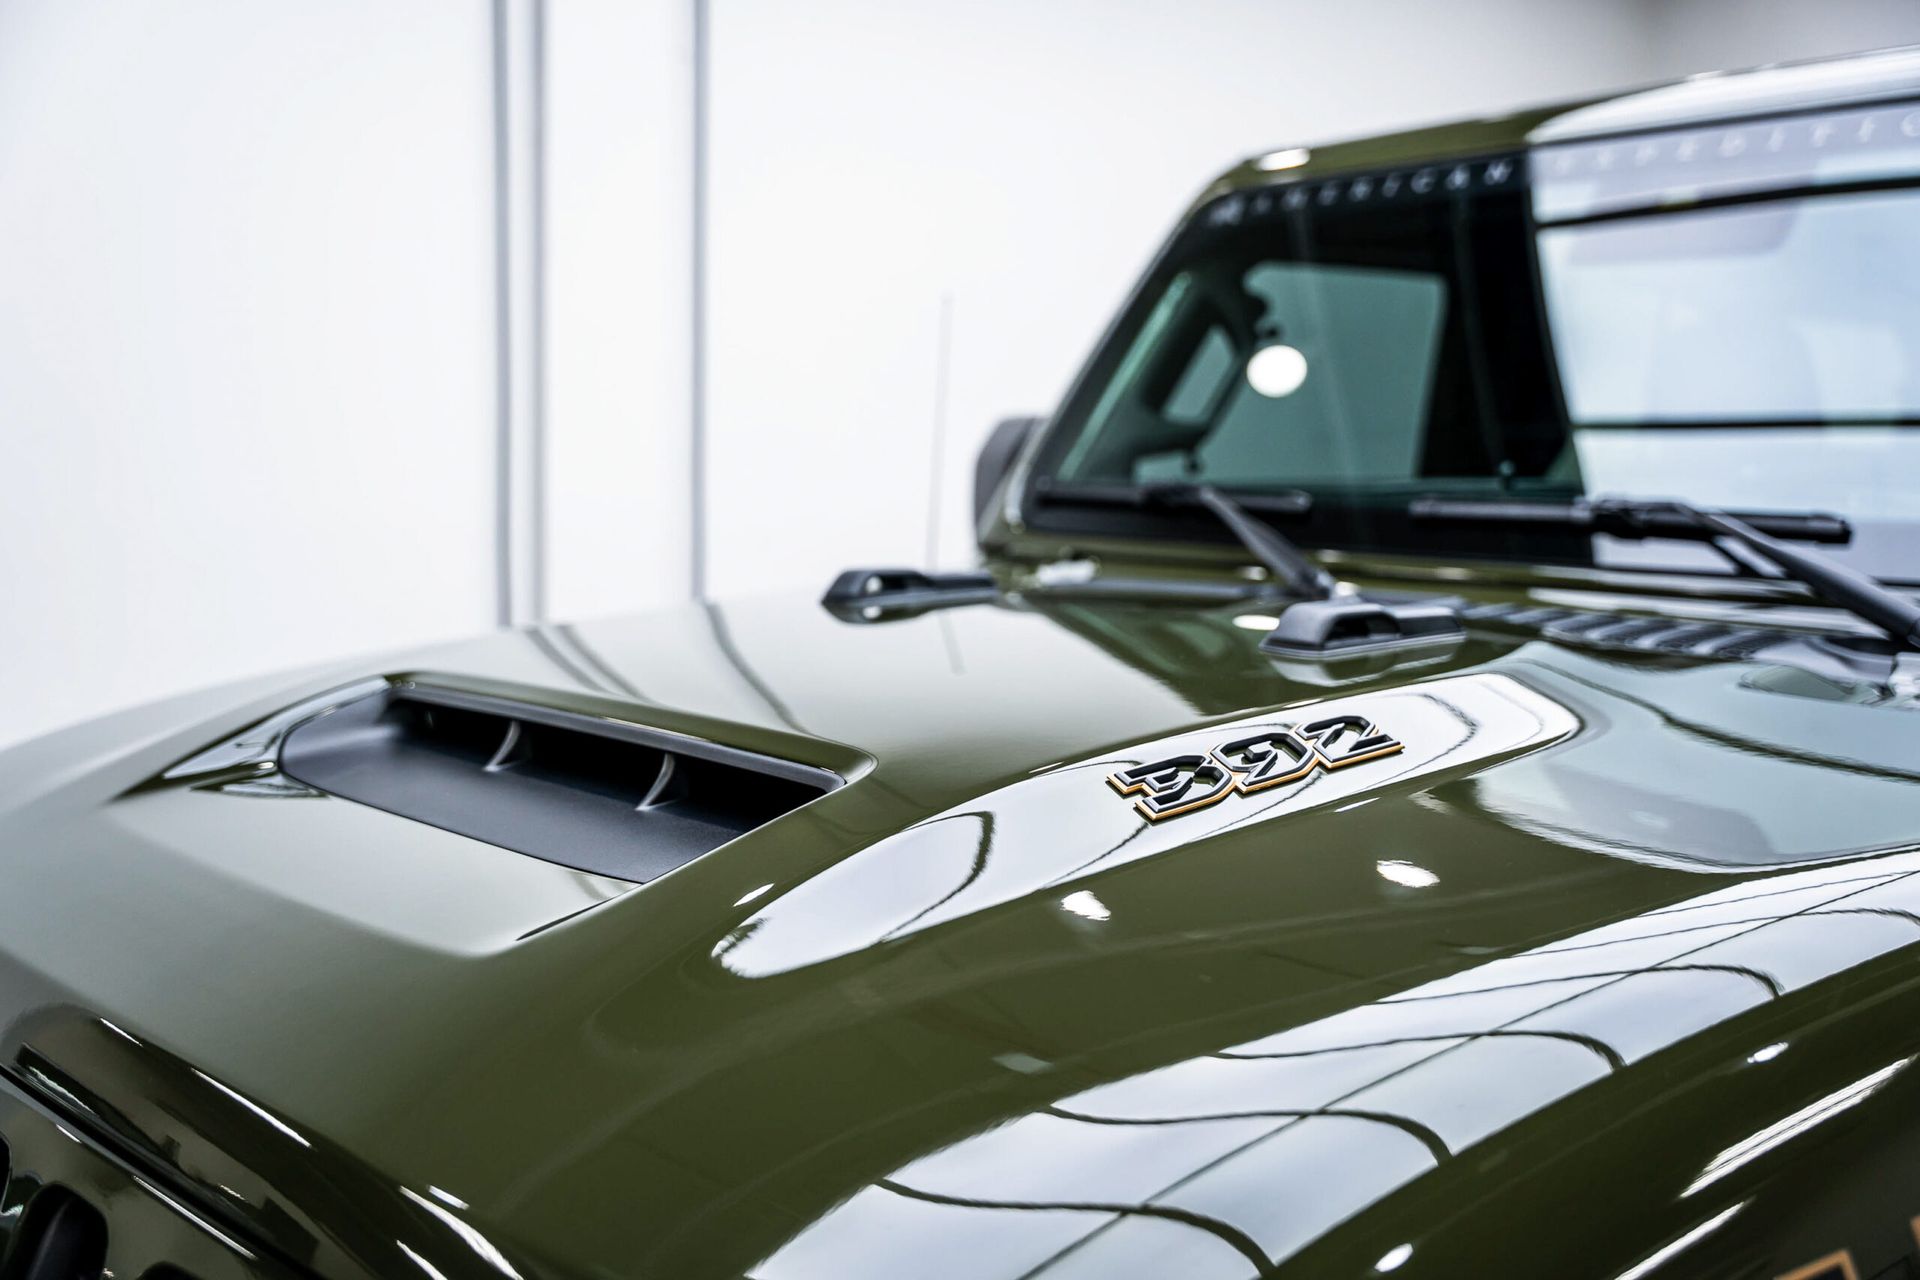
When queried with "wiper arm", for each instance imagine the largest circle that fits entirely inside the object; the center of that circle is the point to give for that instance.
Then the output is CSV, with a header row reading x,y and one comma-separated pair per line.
x,y
1761,535
1302,575
1893,613
1299,573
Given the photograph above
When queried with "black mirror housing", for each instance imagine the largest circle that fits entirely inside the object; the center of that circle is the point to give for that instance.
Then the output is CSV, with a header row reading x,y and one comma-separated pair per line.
x,y
995,463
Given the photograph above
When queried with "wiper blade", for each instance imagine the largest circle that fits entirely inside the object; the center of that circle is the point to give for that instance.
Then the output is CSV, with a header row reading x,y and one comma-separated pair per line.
x,y
1285,504
1626,518
1760,535
1299,573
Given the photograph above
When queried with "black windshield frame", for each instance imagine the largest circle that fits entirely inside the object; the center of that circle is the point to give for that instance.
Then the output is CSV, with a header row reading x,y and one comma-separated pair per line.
x,y
1507,390
1477,211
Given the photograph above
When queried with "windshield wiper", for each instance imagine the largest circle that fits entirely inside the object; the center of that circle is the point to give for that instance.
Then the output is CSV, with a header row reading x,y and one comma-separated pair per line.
x,y
1627,518
1283,504
1289,566
1302,574
1292,568
1759,535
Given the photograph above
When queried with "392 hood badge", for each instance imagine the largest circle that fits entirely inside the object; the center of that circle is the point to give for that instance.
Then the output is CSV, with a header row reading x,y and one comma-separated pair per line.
x,y
1272,757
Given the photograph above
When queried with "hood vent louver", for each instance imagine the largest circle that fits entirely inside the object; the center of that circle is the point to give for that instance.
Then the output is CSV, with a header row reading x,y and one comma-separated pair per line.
x,y
598,795
1629,631
1866,658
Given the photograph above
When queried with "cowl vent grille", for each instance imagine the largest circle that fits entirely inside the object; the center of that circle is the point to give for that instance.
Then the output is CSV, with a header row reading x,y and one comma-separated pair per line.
x,y
1850,659
1622,631
599,795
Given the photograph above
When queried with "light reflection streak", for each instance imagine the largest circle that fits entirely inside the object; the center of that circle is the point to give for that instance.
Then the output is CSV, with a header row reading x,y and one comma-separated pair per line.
x,y
468,1234
1427,1137
1784,1130
420,1262
1600,1047
1648,1264
124,1035
256,1108
193,1217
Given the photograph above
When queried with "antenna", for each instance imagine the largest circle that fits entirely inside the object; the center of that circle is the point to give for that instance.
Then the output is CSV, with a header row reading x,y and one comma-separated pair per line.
x,y
942,357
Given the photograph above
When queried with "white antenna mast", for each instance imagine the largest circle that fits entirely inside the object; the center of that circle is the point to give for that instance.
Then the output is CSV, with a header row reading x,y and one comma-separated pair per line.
x,y
942,356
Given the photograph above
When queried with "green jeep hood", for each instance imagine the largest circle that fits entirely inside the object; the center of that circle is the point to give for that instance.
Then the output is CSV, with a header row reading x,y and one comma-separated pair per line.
x,y
1612,951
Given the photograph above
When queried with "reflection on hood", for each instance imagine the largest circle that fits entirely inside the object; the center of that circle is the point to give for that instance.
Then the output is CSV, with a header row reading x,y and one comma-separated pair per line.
x,y
1043,832
1685,769
1250,1153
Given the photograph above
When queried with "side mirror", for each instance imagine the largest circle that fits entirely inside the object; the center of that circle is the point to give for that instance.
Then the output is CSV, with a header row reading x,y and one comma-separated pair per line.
x,y
990,469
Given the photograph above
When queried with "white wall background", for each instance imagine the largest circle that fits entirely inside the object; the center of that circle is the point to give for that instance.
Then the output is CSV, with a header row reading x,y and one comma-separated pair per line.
x,y
1021,161
619,80
250,367
245,317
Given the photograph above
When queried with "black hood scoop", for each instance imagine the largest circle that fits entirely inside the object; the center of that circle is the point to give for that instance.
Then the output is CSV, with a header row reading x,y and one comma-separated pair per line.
x,y
599,795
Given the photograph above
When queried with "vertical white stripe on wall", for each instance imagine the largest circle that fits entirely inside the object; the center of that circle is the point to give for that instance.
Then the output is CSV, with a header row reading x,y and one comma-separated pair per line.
x,y
618,317
519,141
698,321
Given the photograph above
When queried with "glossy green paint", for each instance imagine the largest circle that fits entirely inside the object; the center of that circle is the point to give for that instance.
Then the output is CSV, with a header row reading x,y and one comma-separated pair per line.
x,y
1625,988
608,1081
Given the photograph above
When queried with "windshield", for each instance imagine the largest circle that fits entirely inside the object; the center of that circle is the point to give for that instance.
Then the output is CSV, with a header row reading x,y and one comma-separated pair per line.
x,y
1721,314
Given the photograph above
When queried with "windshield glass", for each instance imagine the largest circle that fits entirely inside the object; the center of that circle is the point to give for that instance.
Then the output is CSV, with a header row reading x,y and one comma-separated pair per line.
x,y
1721,314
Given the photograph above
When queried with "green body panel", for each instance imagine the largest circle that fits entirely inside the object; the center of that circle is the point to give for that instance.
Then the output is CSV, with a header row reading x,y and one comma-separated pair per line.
x,y
864,1039
1608,970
